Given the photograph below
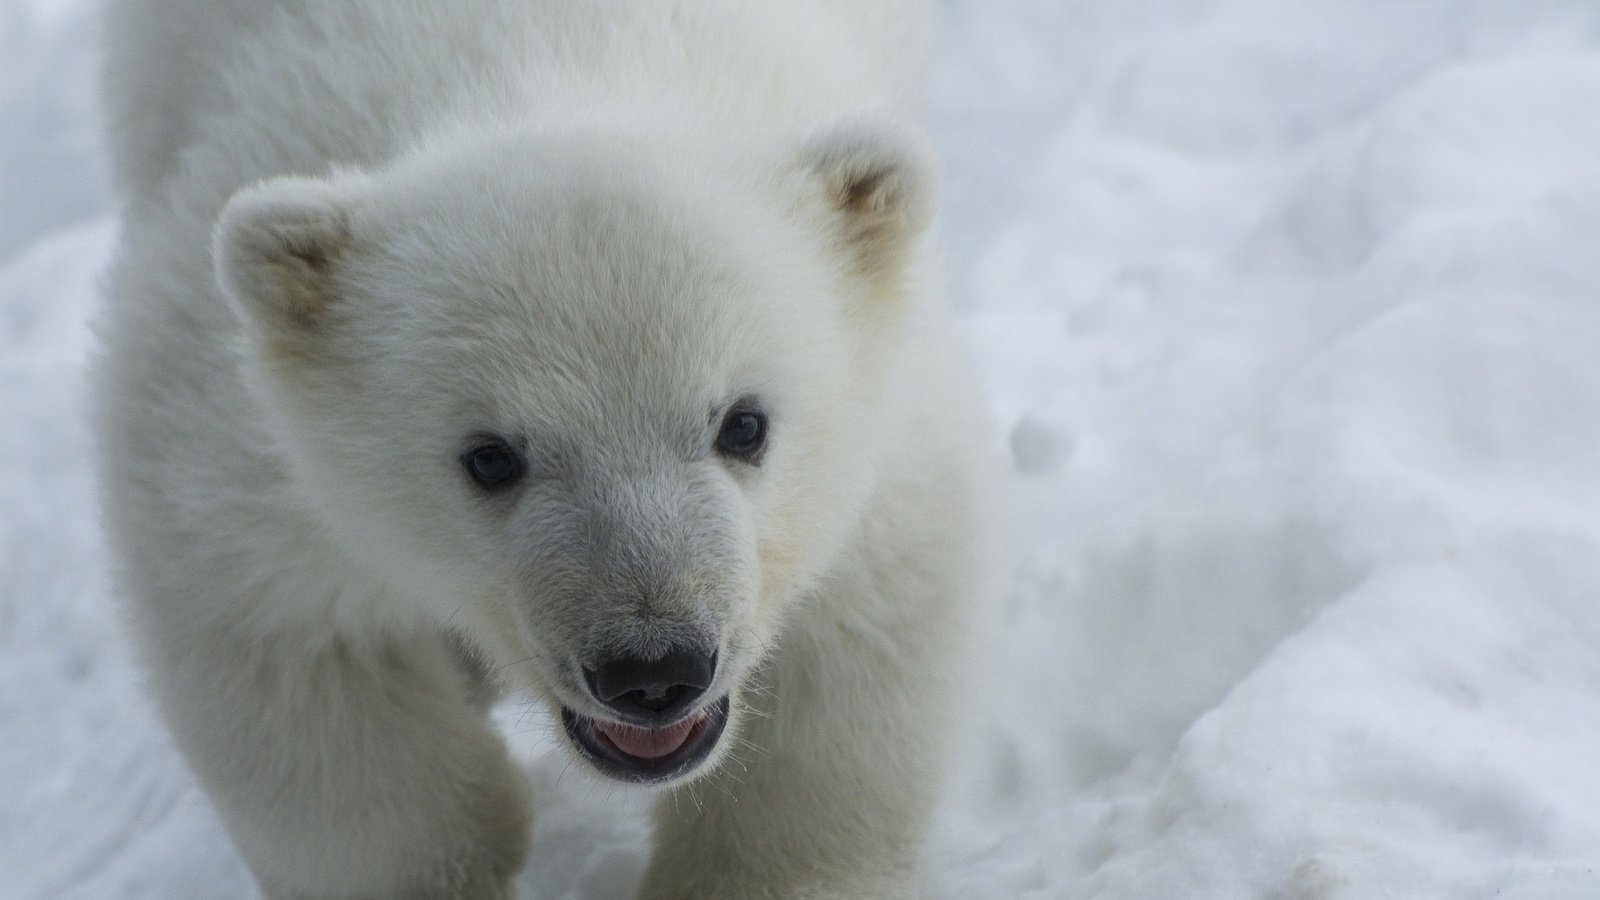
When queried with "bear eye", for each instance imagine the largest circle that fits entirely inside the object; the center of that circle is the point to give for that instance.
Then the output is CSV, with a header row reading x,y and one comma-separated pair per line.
x,y
743,434
492,463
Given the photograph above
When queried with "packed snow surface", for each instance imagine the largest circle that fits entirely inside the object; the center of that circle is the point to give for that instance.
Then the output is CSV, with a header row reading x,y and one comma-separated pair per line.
x,y
1291,317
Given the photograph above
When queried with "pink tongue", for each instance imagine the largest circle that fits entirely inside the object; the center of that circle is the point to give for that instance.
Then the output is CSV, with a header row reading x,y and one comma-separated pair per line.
x,y
647,743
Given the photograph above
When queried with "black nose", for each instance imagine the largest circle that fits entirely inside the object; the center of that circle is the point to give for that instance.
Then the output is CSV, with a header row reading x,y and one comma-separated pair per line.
x,y
652,690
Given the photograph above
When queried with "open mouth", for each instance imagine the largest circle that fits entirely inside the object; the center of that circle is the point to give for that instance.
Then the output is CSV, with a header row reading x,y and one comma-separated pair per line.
x,y
646,755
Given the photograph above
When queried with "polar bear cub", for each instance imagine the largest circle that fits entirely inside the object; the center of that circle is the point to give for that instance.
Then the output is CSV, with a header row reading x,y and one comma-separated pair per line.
x,y
586,351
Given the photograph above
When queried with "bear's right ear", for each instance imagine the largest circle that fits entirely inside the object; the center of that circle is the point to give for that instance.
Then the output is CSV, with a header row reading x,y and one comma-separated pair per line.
x,y
275,247
880,180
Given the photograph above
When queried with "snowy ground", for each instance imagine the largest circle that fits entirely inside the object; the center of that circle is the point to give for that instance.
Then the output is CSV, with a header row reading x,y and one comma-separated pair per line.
x,y
1292,313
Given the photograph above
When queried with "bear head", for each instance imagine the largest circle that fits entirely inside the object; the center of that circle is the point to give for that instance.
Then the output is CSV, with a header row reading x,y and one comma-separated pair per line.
x,y
605,405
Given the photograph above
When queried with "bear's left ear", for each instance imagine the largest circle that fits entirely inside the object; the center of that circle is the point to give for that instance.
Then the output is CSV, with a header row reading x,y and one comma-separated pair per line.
x,y
275,249
881,182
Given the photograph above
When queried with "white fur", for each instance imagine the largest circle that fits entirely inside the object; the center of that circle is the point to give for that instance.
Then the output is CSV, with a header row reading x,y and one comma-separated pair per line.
x,y
359,233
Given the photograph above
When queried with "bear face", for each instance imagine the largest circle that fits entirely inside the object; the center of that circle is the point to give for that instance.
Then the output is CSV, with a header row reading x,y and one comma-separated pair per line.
x,y
577,406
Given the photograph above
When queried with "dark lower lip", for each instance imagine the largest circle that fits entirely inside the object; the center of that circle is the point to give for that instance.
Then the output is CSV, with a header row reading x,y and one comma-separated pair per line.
x,y
605,756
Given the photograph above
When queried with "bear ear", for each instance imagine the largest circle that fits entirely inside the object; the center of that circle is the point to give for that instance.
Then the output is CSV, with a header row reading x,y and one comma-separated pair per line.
x,y
275,247
881,181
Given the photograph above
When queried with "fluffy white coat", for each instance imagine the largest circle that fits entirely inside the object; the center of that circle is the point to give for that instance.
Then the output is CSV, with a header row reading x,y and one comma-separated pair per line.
x,y
357,234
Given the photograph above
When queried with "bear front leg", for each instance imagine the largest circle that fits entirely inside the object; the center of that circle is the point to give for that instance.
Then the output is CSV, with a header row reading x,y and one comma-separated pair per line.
x,y
832,781
349,769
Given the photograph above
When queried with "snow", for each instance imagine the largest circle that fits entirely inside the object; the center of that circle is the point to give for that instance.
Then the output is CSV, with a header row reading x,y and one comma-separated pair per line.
x,y
1290,314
